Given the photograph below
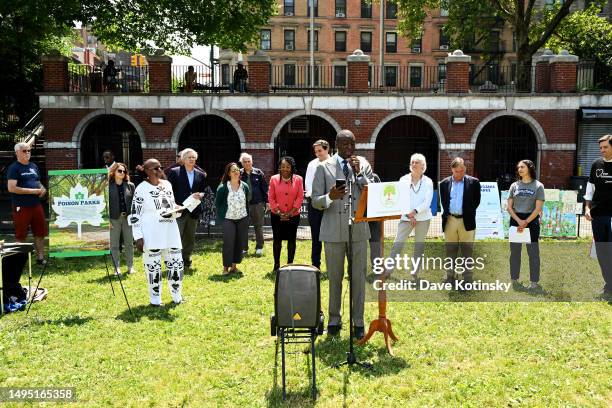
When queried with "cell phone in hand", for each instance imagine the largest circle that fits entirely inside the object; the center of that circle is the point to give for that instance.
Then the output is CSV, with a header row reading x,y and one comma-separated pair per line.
x,y
340,183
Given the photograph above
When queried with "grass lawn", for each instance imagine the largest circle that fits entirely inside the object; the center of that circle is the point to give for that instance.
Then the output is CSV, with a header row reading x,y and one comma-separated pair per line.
x,y
215,349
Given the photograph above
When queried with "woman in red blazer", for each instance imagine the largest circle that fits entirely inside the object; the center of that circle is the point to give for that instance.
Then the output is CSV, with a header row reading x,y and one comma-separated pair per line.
x,y
285,197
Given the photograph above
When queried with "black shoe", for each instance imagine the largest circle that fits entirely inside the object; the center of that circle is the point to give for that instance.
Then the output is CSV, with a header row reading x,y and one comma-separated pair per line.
x,y
333,330
358,332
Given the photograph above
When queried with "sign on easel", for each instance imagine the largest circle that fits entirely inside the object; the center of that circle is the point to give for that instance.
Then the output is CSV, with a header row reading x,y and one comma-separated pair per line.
x,y
78,214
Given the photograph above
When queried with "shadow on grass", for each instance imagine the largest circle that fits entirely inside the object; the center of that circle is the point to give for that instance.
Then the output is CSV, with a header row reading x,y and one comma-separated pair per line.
x,y
151,312
104,279
332,351
226,278
63,321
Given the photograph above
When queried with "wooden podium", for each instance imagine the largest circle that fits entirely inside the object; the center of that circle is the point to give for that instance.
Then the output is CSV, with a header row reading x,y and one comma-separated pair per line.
x,y
382,324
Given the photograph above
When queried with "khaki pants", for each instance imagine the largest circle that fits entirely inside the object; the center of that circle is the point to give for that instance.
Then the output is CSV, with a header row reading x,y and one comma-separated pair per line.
x,y
456,236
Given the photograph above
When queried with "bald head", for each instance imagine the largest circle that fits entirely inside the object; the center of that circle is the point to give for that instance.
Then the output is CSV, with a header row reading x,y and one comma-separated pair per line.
x,y
345,143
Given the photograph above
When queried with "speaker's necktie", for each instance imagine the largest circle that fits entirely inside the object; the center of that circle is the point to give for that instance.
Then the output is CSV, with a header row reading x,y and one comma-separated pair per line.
x,y
345,169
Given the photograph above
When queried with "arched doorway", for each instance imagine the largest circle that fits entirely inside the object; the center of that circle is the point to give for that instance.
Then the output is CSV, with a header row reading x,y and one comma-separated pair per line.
x,y
297,136
110,132
500,145
216,142
398,140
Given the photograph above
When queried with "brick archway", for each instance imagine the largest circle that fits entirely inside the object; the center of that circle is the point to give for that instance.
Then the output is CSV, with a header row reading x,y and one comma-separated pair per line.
x,y
295,114
176,133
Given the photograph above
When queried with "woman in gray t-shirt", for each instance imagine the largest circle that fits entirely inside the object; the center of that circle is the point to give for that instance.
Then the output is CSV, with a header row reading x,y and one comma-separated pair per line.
x,y
525,200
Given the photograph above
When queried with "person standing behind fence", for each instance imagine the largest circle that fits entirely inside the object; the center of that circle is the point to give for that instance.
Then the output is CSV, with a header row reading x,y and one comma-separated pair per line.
x,y
460,198
525,200
26,192
419,217
598,210
188,181
156,232
120,194
285,199
190,79
258,200
232,213
240,78
321,150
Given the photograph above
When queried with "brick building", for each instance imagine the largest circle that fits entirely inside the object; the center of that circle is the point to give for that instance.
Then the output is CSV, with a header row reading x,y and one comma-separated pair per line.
x,y
491,131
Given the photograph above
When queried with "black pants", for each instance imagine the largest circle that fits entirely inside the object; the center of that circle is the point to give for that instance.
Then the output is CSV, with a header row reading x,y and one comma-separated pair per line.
x,y
602,234
12,268
533,250
314,219
235,236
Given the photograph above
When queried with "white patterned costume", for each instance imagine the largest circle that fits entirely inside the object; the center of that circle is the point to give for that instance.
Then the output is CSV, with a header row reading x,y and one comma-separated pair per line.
x,y
161,237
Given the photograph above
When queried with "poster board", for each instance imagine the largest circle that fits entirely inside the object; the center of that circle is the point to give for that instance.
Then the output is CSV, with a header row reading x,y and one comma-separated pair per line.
x,y
489,219
78,213
388,199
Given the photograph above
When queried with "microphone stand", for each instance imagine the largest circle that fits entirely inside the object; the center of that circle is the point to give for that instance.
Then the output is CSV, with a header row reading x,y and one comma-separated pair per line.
x,y
351,359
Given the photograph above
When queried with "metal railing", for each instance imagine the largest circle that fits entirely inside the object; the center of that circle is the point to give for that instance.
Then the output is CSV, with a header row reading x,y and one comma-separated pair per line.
x,y
90,79
202,78
290,77
408,79
594,76
493,78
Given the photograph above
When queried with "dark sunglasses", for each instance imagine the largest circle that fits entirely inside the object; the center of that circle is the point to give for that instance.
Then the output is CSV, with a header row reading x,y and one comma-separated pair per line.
x,y
156,168
121,171
26,151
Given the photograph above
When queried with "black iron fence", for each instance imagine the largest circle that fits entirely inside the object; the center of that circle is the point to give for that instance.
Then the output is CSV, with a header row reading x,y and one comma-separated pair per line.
x,y
291,77
92,79
412,78
504,79
203,78
594,76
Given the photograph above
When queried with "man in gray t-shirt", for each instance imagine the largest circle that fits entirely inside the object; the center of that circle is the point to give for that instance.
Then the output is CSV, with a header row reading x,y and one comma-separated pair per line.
x,y
525,195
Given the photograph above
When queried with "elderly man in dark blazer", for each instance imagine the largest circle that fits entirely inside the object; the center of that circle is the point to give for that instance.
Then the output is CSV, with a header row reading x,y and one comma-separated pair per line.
x,y
460,197
187,180
333,200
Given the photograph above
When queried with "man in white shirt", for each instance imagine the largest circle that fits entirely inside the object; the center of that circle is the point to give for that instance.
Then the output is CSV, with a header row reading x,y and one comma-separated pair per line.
x,y
321,150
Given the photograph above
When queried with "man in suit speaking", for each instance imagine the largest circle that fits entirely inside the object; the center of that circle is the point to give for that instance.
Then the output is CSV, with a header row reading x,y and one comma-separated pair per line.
x,y
332,197
460,197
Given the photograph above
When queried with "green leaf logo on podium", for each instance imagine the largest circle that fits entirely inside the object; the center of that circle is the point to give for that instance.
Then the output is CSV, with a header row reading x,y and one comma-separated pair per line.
x,y
79,207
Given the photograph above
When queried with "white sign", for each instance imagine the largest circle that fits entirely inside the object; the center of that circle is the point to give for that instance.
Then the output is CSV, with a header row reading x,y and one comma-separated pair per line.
x,y
388,199
80,207
489,221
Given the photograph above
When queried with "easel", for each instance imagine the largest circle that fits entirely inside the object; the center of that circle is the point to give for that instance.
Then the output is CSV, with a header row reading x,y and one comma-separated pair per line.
x,y
382,324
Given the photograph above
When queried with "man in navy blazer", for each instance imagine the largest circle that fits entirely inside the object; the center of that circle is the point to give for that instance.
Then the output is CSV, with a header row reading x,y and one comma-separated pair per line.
x,y
187,180
460,197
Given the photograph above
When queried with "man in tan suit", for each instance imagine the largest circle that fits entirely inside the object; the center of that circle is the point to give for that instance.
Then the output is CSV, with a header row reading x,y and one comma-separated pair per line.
x,y
334,201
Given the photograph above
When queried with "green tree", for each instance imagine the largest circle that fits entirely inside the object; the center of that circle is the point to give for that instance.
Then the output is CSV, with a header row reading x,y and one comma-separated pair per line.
x,y
585,34
470,22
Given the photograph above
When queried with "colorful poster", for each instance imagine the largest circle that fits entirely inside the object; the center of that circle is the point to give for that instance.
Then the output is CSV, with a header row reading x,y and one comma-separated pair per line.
x,y
78,214
489,223
388,199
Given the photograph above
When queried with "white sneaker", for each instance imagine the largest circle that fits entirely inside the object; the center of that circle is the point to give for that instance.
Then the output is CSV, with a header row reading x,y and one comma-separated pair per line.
x,y
130,271
259,252
117,271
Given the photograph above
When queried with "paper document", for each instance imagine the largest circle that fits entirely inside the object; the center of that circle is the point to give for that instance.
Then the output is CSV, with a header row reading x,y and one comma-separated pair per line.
x,y
519,237
191,203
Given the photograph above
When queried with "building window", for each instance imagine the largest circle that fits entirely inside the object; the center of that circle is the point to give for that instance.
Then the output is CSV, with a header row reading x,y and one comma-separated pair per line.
x,y
391,10
494,41
416,46
390,76
339,75
441,72
416,76
290,74
513,41
366,9
365,42
289,40
316,75
316,8
266,40
289,7
340,41
391,42
316,40
225,74
444,43
341,8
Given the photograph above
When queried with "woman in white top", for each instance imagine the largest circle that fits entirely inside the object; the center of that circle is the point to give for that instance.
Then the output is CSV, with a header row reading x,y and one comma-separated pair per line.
x,y
418,219
156,232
